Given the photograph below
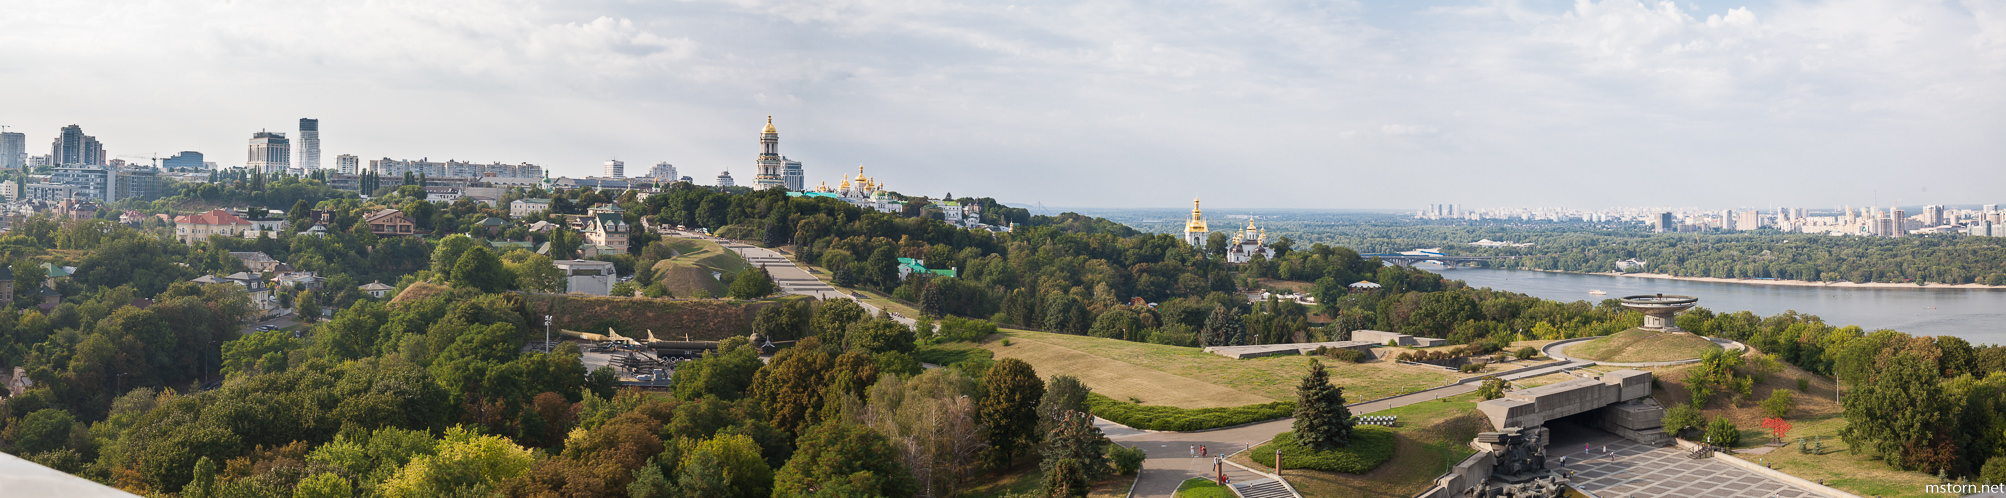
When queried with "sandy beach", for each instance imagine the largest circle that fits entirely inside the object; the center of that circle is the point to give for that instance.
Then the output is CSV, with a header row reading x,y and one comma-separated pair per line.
x,y
1807,283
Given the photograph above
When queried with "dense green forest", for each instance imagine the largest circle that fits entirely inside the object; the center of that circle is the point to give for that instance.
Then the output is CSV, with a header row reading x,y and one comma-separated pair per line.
x,y
1596,247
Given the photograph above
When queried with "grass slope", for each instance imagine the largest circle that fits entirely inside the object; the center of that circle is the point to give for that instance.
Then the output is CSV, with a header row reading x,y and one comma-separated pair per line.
x,y
690,271
1639,346
1202,488
1184,377
1815,415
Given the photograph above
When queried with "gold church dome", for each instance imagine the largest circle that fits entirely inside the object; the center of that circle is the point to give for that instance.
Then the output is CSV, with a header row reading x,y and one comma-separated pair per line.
x,y
769,125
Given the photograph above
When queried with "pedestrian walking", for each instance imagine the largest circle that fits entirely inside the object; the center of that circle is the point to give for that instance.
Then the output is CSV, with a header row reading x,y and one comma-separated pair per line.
x,y
1194,450
1202,451
1563,461
1605,449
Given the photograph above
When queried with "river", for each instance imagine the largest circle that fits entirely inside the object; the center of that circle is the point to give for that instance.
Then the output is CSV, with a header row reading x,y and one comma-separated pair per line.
x,y
1977,315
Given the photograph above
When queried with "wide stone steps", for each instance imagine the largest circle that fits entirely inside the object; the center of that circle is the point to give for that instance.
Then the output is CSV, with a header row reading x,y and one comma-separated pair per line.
x,y
1262,488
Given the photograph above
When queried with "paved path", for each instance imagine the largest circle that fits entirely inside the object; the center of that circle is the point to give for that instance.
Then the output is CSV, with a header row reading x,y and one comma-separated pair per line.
x,y
791,278
1556,350
1638,470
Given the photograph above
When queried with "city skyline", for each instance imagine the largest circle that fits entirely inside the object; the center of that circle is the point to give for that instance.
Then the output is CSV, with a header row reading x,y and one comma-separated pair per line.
x,y
1354,106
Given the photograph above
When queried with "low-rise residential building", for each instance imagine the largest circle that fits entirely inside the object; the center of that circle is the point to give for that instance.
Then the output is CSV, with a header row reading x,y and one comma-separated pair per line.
x,y
587,277
376,289
525,207
390,223
298,279
260,262
198,227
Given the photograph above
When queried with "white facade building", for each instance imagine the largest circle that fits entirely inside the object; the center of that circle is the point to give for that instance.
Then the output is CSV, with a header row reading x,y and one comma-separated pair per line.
x,y
616,169
309,144
270,152
347,164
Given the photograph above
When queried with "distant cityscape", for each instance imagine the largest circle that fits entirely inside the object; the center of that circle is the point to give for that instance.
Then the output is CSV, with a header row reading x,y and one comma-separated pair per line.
x,y
78,168
1985,221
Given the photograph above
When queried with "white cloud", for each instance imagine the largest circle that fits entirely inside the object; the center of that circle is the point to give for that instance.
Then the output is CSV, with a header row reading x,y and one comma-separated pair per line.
x,y
1409,130
941,95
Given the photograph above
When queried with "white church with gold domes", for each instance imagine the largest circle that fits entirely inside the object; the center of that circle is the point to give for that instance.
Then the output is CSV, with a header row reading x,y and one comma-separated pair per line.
x,y
1247,243
862,191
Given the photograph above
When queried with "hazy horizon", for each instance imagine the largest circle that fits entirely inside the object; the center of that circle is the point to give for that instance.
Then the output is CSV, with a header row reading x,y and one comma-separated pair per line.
x,y
1347,105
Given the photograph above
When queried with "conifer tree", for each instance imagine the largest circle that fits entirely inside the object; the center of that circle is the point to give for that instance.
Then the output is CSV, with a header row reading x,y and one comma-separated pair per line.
x,y
1322,421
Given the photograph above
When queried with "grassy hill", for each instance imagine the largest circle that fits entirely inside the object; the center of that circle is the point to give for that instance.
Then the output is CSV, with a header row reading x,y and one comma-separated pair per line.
x,y
1185,377
691,270
1639,346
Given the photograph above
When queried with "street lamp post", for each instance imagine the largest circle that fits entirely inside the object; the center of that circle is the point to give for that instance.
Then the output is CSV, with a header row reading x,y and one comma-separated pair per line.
x,y
546,333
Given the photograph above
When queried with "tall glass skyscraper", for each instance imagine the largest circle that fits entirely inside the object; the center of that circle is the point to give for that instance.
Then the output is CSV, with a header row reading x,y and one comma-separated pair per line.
x,y
13,149
309,144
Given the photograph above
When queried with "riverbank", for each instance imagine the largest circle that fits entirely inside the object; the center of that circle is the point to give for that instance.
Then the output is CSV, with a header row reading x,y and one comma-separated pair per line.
x,y
1801,283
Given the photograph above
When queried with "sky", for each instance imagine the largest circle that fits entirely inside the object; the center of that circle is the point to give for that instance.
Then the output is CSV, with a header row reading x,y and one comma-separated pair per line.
x,y
1242,103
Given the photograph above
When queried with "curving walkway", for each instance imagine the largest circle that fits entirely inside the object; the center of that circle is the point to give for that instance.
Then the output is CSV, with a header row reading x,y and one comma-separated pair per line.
x,y
1555,350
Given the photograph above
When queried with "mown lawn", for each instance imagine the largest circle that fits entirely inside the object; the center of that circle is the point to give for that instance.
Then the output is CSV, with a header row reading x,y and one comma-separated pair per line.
x,y
1640,346
1132,367
1431,437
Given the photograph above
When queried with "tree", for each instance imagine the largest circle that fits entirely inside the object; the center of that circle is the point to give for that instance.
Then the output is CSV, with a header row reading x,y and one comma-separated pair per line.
x,y
1779,403
1223,328
726,466
1063,394
1493,388
1722,432
45,429
323,485
307,306
930,420
1075,455
753,283
535,272
1683,416
1322,422
466,463
836,452
879,335
448,253
1009,408
1897,413
1778,428
479,268
929,301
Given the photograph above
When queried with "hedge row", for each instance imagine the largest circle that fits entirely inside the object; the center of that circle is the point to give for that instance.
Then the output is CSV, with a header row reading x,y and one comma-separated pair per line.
x,y
1170,418
1371,445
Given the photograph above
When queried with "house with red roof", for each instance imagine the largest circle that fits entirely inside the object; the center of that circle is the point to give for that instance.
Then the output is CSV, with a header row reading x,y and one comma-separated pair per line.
x,y
198,227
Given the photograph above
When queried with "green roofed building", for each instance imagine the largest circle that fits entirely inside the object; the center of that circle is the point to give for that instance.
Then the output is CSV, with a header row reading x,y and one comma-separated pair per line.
x,y
909,266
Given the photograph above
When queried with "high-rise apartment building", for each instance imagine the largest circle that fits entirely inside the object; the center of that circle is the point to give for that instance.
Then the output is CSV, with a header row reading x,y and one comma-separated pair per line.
x,y
1932,215
186,159
270,152
663,171
309,144
1748,220
347,163
791,174
454,169
92,182
1664,223
616,169
72,146
13,149
767,174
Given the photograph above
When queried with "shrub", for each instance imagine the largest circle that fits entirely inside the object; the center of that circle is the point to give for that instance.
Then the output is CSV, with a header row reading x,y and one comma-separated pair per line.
x,y
1723,433
1170,418
1779,404
1994,471
1370,446
1471,367
1126,460
1340,354
1803,385
945,356
1682,417
1006,342
1526,353
1493,388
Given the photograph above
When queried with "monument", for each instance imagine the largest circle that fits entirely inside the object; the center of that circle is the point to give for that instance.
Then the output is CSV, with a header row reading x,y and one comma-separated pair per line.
x,y
1660,309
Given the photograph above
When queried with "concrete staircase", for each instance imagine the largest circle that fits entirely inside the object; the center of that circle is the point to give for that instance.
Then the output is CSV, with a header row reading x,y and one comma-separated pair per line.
x,y
1261,488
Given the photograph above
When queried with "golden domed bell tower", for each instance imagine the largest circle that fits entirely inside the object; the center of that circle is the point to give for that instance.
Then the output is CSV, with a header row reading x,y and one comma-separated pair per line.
x,y
1194,230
